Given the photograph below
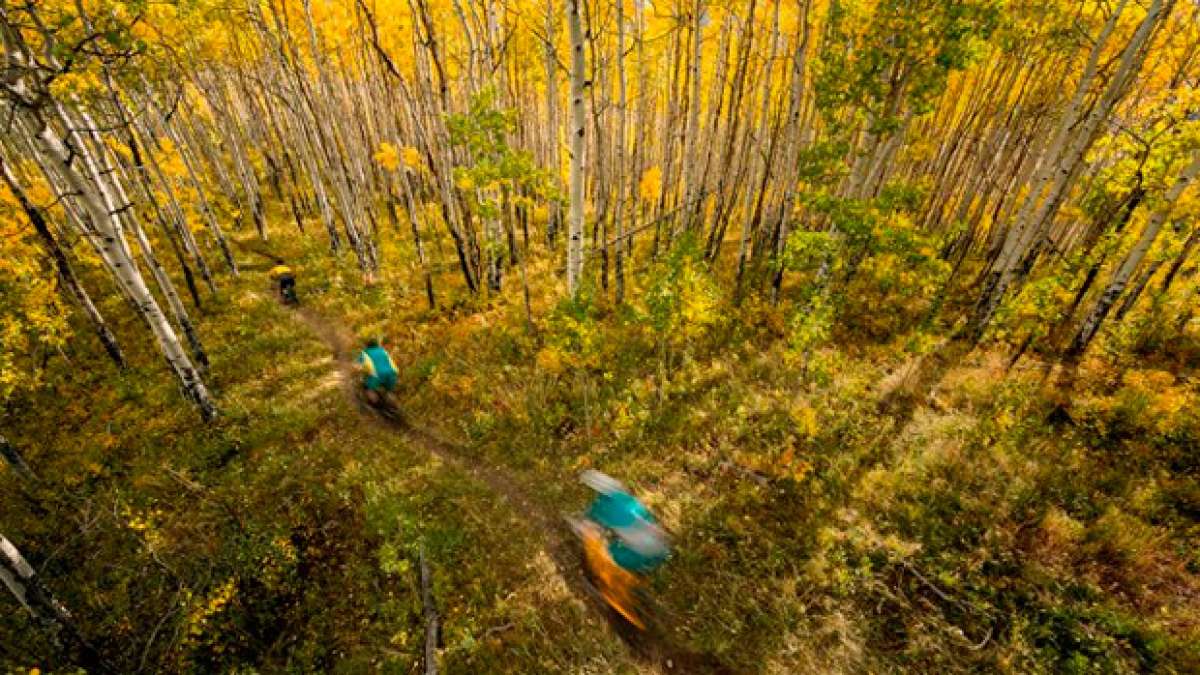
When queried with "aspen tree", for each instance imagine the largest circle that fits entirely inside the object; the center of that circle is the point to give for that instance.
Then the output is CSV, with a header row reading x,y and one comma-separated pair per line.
x,y
1091,323
578,131
31,104
1031,223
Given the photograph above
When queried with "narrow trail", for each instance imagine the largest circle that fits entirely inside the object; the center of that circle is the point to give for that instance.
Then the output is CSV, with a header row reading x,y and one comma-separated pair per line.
x,y
341,343
560,548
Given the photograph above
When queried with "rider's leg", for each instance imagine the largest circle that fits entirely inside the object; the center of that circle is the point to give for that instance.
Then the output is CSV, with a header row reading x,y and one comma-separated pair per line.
x,y
595,556
615,584
622,588
388,381
371,386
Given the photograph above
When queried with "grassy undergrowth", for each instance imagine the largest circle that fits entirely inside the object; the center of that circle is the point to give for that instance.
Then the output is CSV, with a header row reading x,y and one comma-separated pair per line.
x,y
283,538
814,532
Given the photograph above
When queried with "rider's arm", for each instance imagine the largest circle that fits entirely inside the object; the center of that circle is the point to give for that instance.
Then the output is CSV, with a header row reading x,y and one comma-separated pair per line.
x,y
364,363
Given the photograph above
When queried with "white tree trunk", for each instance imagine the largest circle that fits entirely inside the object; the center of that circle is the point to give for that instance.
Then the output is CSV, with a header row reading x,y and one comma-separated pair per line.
x,y
553,156
691,163
578,129
210,218
22,581
106,234
1091,323
619,200
1029,225
795,145
15,461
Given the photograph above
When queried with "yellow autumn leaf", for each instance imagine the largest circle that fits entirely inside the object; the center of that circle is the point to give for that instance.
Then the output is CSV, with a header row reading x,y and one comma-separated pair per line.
x,y
412,157
805,419
387,156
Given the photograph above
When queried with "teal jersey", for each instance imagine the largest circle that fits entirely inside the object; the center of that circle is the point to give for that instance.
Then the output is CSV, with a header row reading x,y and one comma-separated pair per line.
x,y
377,361
618,509
622,513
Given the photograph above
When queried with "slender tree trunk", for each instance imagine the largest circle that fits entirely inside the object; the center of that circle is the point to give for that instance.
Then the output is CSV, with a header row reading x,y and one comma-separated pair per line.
x,y
168,290
50,614
553,144
578,129
1135,293
107,339
413,221
691,163
1059,165
107,236
795,147
619,200
15,461
1091,323
431,615
210,217
1188,246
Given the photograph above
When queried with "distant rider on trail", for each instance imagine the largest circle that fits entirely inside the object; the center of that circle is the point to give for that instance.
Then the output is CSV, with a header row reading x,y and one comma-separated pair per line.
x,y
286,278
379,371
622,543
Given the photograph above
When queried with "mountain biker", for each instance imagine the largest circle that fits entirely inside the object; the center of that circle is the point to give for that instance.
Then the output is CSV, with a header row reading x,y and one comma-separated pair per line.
x,y
379,371
622,542
286,278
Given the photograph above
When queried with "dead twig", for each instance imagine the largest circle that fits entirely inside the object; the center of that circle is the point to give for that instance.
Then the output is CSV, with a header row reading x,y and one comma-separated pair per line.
x,y
954,630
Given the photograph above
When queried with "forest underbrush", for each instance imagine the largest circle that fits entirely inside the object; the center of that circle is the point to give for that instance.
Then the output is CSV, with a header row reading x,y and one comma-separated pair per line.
x,y
888,309
285,537
817,530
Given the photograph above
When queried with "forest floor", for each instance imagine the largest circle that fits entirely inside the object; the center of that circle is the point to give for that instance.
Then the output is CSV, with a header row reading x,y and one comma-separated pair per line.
x,y
817,528
542,523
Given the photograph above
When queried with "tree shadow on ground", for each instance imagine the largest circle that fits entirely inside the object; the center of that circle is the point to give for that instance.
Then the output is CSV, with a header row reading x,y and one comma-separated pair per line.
x,y
909,387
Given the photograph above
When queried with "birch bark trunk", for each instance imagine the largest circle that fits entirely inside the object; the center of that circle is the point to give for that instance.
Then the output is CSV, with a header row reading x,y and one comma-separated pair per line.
x,y
1059,164
22,581
1092,321
106,234
578,131
553,143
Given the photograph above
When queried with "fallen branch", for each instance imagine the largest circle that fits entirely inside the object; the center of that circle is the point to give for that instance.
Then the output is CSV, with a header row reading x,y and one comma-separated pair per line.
x,y
497,629
15,460
955,630
763,481
431,616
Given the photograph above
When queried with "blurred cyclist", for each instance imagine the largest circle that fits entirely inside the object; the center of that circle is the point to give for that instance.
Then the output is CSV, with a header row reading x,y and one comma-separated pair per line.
x,y
379,371
286,278
622,543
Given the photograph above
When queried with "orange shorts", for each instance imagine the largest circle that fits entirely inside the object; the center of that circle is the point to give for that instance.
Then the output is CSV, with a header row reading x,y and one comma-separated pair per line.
x,y
615,584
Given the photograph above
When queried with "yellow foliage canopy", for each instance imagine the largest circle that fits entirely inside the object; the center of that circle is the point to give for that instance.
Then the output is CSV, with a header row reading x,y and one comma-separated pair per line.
x,y
650,186
32,318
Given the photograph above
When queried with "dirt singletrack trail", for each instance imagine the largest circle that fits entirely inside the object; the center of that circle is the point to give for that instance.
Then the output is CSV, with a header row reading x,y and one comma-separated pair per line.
x,y
342,344
549,526
652,651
